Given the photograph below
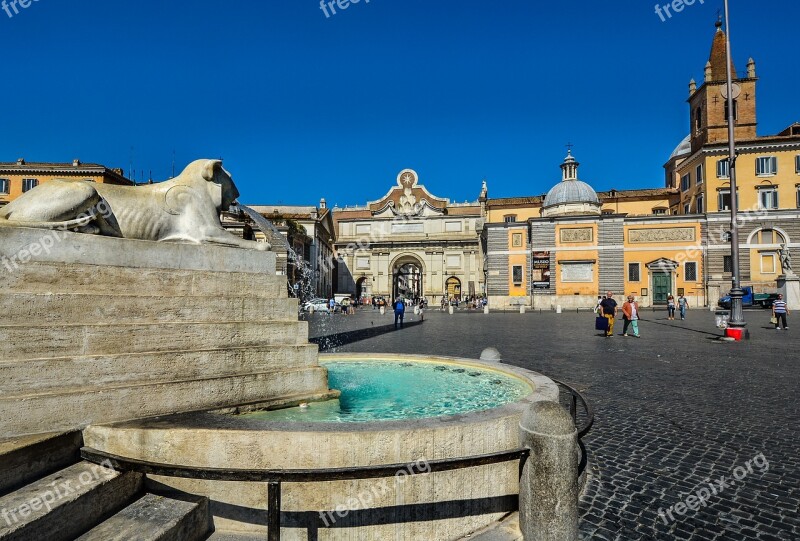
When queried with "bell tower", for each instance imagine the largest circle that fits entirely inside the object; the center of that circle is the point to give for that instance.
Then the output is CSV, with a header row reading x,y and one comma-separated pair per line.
x,y
708,105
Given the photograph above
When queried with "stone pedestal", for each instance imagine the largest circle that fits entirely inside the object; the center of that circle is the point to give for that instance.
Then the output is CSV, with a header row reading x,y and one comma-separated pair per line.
x,y
548,490
789,287
99,329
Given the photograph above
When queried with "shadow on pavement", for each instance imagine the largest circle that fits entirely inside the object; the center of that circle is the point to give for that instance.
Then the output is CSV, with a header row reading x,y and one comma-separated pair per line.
x,y
343,338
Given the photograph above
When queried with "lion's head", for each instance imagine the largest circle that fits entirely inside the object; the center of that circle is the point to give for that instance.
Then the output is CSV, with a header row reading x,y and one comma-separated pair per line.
x,y
220,185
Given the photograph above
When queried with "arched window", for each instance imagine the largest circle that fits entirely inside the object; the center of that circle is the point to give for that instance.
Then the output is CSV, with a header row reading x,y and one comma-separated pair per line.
x,y
769,236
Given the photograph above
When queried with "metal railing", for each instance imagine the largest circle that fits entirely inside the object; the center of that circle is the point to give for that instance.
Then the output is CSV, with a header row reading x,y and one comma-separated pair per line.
x,y
275,478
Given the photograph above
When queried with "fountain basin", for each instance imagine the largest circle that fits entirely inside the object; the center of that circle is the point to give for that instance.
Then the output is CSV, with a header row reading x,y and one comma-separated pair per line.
x,y
444,505
388,390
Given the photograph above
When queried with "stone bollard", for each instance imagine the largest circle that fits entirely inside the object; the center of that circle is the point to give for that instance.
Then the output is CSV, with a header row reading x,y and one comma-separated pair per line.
x,y
521,308
451,310
548,490
558,309
383,310
486,309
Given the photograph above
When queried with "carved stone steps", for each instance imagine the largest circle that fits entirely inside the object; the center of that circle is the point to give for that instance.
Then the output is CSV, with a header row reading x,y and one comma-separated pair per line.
x,y
42,375
79,407
20,342
37,277
87,309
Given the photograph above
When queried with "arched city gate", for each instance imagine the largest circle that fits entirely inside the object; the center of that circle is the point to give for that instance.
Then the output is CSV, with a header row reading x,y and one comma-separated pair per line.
x,y
407,278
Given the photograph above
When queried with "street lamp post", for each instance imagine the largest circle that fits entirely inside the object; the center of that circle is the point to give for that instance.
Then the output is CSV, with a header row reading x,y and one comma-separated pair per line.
x,y
737,313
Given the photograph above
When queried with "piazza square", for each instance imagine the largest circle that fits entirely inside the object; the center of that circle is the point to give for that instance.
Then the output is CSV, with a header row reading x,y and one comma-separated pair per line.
x,y
500,272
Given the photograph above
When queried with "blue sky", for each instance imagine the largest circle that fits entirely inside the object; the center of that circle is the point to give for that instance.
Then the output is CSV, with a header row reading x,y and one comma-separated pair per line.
x,y
301,106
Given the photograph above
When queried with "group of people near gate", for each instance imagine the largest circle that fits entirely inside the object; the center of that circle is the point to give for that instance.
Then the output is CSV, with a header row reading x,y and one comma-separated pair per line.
x,y
607,311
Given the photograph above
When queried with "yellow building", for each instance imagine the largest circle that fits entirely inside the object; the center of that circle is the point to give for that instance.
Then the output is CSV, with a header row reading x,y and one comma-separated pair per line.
x,y
18,177
657,242
576,244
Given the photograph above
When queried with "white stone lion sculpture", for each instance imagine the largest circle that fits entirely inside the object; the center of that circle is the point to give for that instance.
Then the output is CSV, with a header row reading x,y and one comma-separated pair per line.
x,y
184,209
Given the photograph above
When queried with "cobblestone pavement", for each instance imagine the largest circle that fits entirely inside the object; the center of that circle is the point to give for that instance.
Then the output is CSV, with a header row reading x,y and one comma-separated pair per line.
x,y
674,412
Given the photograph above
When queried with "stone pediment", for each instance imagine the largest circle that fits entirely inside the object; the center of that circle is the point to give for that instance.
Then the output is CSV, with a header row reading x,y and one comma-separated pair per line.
x,y
662,264
408,198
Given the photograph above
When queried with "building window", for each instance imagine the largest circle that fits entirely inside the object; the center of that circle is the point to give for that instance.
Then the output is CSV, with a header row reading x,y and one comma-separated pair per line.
x,y
699,172
690,271
698,119
516,272
768,265
29,184
735,110
727,263
769,236
660,210
724,200
797,164
701,207
686,181
687,208
510,219
798,197
4,185
768,198
723,168
633,272
766,166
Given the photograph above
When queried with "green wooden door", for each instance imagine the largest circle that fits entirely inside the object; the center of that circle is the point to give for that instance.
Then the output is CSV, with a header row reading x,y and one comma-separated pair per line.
x,y
662,286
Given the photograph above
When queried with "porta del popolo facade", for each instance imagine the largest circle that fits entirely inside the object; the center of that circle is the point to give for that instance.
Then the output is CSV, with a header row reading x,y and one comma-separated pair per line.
x,y
410,243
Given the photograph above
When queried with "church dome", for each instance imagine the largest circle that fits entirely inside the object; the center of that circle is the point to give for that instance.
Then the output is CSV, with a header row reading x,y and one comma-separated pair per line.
x,y
571,191
570,196
684,148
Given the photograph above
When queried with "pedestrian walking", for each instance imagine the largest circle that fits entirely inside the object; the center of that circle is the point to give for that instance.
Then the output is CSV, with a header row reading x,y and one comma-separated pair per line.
x,y
399,311
670,307
779,313
597,308
421,307
609,308
630,315
683,304
331,306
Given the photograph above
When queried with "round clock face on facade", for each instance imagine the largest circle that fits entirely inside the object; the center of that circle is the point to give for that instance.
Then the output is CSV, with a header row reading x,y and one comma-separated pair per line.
x,y
737,90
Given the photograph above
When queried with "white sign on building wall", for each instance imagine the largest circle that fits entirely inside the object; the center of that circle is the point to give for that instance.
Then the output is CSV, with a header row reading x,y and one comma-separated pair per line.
x,y
577,272
408,228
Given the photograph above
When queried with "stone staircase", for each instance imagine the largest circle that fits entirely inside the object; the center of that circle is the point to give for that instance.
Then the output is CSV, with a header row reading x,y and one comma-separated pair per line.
x,y
48,493
100,330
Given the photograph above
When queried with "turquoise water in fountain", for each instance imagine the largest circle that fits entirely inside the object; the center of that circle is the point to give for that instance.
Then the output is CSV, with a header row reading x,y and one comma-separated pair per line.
x,y
393,390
